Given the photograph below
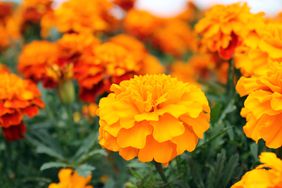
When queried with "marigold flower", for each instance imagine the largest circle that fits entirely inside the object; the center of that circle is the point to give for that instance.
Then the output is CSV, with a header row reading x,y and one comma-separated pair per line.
x,y
110,63
153,117
71,179
74,16
17,98
3,69
258,51
262,108
38,61
149,64
175,38
224,26
266,175
4,38
33,10
141,23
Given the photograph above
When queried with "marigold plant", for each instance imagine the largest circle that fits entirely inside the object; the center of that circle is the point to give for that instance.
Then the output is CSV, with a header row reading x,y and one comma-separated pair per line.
x,y
153,117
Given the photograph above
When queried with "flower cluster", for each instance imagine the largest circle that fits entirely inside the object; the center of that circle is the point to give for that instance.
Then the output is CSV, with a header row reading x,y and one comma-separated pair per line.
x,y
153,117
262,108
223,28
268,174
17,98
71,179
74,16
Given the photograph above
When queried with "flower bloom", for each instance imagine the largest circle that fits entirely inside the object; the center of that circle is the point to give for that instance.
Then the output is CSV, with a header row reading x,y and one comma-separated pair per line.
x,y
110,63
37,62
153,117
33,10
141,23
71,179
6,9
74,16
175,38
17,98
263,106
224,26
266,175
149,64
258,51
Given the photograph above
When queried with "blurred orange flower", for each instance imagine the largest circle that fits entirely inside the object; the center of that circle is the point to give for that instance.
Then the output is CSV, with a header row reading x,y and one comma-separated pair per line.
x,y
17,98
6,9
266,175
225,26
153,117
141,23
175,38
71,179
74,16
33,10
38,62
262,108
110,63
149,64
3,69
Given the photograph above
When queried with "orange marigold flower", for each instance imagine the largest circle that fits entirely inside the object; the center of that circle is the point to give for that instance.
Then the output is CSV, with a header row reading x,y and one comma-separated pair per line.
x,y
153,117
90,110
110,63
72,46
258,51
224,26
141,23
74,16
37,62
17,98
71,179
125,4
149,64
262,108
34,10
4,38
266,175
175,38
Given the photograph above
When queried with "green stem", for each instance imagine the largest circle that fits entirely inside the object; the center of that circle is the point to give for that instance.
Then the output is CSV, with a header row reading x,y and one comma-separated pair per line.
x,y
230,87
160,170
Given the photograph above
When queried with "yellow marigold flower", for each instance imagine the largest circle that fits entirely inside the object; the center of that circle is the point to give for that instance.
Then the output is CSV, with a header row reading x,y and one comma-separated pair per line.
x,y
175,38
74,16
153,117
109,63
34,10
224,26
266,175
149,64
262,108
17,98
71,179
37,62
141,23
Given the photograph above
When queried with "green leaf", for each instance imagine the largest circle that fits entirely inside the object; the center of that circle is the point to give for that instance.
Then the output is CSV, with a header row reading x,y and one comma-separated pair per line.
x,y
53,165
49,151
